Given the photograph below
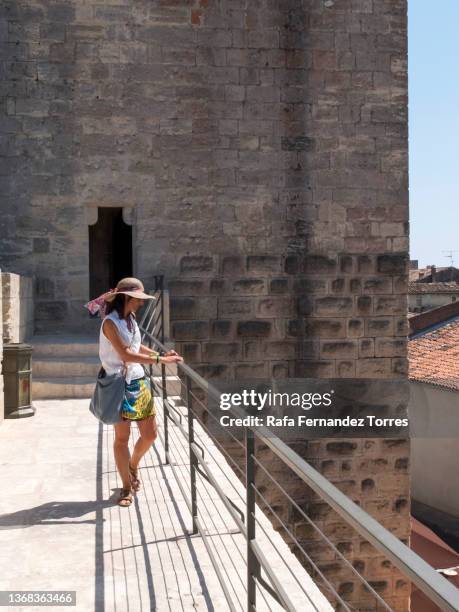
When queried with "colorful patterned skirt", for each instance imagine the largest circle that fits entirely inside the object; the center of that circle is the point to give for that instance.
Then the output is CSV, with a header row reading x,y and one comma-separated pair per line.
x,y
138,400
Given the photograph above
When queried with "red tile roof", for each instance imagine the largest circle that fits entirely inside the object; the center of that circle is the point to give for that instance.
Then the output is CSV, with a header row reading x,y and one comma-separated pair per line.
x,y
434,356
415,287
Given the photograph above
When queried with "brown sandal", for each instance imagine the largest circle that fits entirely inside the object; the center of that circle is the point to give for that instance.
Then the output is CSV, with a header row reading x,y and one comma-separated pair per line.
x,y
135,482
125,496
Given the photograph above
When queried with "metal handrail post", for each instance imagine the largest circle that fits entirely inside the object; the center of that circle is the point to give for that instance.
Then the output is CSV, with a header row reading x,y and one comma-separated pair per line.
x,y
165,412
162,309
253,565
159,286
193,458
150,367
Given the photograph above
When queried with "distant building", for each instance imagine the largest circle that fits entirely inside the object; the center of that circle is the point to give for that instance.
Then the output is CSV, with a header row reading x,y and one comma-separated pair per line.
x,y
424,296
434,408
416,273
432,274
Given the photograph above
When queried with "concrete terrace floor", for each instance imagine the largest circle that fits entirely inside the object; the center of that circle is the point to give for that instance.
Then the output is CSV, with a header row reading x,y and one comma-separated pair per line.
x,y
61,529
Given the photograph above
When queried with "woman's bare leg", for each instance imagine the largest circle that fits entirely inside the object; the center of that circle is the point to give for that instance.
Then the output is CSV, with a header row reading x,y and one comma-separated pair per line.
x,y
121,451
148,429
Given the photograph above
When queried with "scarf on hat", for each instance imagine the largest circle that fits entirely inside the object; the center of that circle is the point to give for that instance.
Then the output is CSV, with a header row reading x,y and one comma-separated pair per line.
x,y
98,306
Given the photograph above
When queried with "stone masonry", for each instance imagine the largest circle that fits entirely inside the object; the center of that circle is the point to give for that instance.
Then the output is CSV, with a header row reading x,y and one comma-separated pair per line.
x,y
18,308
259,149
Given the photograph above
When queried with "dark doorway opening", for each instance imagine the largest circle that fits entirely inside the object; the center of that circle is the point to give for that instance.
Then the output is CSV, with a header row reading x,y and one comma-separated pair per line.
x,y
110,251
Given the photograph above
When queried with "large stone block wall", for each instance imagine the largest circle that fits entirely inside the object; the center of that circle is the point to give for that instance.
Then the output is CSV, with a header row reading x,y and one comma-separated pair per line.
x,y
323,316
260,149
18,307
305,315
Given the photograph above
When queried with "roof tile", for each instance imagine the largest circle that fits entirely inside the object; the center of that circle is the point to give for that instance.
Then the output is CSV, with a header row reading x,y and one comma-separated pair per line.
x,y
434,356
417,287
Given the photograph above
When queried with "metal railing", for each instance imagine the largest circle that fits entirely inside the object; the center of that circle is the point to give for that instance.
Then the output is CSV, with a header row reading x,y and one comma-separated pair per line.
x,y
436,587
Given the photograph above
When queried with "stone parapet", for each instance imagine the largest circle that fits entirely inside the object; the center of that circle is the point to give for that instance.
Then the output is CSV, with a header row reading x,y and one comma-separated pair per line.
x,y
17,307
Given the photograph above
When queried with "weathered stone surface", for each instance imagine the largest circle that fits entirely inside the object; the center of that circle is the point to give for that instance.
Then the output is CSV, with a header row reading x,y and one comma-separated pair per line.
x,y
325,328
249,286
338,350
196,265
190,330
193,307
221,328
380,326
390,347
221,351
278,285
186,287
263,264
364,305
334,306
318,264
254,328
235,307
17,307
276,307
392,264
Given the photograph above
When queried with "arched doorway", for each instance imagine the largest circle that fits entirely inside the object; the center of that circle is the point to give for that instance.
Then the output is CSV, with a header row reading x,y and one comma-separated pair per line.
x,y
110,250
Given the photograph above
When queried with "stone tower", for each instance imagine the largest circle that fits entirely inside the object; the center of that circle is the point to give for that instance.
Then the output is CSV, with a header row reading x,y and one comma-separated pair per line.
x,y
252,151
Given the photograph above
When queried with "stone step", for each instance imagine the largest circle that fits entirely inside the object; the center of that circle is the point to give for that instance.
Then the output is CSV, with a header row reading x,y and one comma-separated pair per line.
x,y
173,385
171,370
67,367
64,346
78,366
73,349
64,387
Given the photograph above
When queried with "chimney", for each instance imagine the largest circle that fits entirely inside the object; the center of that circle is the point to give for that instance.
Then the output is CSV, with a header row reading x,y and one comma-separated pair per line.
x,y
433,272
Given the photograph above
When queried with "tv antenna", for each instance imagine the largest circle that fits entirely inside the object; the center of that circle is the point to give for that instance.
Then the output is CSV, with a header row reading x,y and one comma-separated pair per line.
x,y
449,254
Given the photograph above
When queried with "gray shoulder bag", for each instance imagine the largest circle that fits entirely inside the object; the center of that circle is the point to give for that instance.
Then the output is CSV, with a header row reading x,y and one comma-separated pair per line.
x,y
108,396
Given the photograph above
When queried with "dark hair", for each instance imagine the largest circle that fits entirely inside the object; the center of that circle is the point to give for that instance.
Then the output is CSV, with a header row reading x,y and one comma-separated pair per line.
x,y
118,305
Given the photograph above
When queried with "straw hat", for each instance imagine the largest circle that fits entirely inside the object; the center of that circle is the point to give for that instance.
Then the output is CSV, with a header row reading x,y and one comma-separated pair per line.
x,y
129,286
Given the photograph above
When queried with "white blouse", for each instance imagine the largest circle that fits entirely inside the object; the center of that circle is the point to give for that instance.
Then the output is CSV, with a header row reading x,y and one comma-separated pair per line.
x,y
110,358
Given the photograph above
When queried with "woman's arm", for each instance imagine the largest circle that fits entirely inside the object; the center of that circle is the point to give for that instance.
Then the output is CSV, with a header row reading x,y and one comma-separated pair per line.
x,y
129,356
148,351
144,350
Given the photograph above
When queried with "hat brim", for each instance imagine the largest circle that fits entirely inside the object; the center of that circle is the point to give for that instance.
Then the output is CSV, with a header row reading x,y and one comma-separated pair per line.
x,y
140,295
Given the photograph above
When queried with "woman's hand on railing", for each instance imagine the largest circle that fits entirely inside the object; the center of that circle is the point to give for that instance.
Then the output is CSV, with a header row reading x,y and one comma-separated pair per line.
x,y
171,358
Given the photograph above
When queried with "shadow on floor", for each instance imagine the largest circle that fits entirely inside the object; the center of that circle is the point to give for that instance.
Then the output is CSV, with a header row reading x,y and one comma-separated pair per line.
x,y
51,513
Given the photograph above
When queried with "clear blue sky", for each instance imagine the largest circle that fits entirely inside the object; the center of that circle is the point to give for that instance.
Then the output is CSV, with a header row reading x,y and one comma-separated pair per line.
x,y
433,83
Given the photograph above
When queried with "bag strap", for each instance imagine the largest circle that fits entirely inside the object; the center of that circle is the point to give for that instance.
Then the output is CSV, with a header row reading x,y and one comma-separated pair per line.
x,y
129,347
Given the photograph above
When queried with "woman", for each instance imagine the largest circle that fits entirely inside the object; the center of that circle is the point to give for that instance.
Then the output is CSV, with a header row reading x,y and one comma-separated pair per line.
x,y
120,350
